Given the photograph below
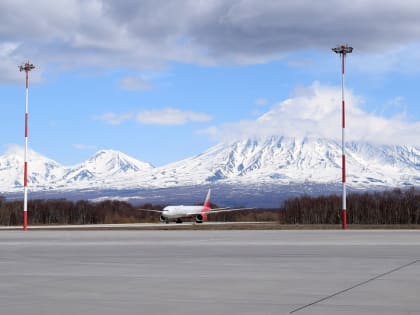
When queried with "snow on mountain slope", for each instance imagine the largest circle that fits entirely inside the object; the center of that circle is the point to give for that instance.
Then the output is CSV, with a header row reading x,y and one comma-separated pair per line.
x,y
290,160
105,165
104,168
270,161
43,173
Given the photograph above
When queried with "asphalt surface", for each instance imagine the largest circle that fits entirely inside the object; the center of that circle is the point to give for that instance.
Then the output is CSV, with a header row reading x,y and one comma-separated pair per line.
x,y
210,272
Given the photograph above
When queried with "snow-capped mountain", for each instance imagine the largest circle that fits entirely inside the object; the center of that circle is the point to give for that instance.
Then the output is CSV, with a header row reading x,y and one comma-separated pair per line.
x,y
105,165
104,168
270,161
282,160
44,173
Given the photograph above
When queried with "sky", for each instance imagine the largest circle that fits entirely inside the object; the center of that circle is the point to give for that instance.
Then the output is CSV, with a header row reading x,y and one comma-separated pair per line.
x,y
166,80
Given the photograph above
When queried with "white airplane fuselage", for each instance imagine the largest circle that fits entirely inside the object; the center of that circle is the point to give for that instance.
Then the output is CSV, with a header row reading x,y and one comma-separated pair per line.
x,y
176,212
198,213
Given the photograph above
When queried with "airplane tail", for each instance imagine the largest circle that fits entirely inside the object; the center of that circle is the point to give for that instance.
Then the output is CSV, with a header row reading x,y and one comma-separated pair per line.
x,y
206,206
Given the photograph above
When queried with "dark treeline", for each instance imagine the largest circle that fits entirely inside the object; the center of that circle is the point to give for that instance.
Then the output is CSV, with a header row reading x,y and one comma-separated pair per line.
x,y
381,207
384,207
61,211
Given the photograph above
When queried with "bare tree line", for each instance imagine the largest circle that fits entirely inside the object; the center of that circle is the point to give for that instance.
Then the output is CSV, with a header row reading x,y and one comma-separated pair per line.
x,y
381,207
61,211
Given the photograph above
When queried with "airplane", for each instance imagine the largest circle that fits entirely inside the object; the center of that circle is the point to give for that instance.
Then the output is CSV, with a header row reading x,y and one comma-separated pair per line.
x,y
179,212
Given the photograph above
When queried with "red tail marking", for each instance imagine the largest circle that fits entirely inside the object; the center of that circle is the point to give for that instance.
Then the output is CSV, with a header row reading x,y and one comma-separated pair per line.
x,y
206,206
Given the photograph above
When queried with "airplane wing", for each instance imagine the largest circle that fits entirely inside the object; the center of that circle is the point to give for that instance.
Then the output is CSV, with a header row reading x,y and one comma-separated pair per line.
x,y
150,210
218,210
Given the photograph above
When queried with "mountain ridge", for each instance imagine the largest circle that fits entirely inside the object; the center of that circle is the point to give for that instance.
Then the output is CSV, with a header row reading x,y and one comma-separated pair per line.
x,y
268,161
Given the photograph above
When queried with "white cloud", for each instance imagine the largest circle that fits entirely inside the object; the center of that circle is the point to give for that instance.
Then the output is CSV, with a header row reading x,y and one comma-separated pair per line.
x,y
261,101
7,48
80,146
395,107
113,118
315,111
402,59
165,116
10,59
170,116
397,101
135,84
147,34
9,62
300,63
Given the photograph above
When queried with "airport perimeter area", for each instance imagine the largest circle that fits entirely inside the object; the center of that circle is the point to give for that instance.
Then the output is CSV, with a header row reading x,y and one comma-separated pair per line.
x,y
210,272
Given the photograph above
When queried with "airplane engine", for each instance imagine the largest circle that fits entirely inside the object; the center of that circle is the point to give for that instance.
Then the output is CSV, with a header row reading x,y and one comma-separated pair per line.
x,y
199,218
162,219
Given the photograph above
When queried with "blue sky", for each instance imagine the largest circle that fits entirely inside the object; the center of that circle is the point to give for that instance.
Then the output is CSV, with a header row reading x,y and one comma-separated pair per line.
x,y
165,80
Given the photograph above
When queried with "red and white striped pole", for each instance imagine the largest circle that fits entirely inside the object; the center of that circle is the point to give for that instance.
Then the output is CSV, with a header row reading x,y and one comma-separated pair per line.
x,y
26,67
343,50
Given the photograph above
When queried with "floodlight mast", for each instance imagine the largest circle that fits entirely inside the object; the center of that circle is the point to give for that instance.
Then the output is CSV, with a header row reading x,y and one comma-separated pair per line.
x,y
343,50
26,67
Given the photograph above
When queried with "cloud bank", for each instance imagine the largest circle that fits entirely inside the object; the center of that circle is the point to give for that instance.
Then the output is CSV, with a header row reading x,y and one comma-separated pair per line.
x,y
147,34
167,116
315,111
135,84
113,118
170,116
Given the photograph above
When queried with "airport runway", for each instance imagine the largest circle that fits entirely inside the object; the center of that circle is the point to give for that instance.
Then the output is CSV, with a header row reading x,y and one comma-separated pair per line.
x,y
210,272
